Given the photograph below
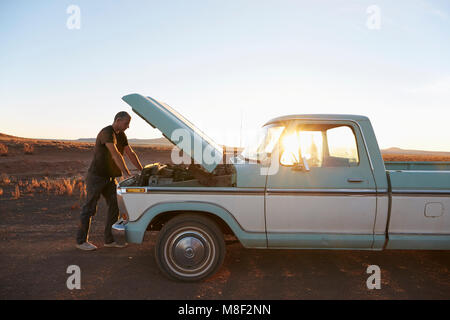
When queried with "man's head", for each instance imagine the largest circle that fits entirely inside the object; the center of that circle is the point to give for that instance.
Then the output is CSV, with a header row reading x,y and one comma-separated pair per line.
x,y
121,121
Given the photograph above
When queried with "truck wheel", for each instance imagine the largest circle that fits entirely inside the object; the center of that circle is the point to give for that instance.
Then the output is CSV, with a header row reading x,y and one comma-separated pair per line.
x,y
189,248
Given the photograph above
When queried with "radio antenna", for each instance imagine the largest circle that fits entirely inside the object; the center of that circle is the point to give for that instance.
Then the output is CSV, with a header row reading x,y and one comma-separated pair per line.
x,y
240,138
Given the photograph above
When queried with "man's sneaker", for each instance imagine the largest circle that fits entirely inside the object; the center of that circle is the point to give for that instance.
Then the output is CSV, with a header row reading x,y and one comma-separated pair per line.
x,y
86,246
115,245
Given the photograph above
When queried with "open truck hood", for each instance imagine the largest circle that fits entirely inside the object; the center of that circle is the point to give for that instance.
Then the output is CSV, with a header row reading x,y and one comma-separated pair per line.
x,y
161,116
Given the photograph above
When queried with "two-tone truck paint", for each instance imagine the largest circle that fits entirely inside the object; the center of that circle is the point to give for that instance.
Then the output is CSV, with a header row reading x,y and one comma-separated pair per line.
x,y
331,190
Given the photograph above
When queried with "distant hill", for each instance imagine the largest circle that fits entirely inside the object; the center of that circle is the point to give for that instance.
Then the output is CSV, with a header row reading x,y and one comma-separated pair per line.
x,y
414,152
158,141
164,142
8,137
141,142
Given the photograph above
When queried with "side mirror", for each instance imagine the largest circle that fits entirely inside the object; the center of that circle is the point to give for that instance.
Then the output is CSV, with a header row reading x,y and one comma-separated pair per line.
x,y
301,166
266,162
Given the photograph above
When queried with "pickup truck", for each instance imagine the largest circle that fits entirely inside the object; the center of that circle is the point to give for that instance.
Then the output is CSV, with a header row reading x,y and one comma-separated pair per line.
x,y
310,181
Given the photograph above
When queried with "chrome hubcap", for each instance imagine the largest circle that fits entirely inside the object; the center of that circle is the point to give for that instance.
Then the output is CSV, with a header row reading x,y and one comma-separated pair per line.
x,y
189,251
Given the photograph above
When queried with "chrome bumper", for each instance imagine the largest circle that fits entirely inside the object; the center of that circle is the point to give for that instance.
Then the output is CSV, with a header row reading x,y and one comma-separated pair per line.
x,y
121,204
119,229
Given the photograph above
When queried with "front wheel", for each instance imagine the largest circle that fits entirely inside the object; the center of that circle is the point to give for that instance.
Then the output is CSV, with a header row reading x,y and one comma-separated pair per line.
x,y
190,248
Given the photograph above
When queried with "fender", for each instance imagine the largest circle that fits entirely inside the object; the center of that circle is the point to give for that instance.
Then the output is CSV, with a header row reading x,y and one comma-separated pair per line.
x,y
135,230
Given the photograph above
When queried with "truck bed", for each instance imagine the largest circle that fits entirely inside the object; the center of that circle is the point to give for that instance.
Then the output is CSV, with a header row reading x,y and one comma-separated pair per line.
x,y
420,205
415,165
428,177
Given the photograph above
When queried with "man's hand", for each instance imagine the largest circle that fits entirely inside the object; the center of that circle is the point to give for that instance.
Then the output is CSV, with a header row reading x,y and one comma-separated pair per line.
x,y
126,176
123,177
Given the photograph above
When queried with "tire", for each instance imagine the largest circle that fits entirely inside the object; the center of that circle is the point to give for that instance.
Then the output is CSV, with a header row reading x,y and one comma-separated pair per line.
x,y
189,248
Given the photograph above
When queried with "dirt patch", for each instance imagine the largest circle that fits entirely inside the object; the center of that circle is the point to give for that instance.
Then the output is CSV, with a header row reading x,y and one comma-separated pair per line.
x,y
26,158
37,242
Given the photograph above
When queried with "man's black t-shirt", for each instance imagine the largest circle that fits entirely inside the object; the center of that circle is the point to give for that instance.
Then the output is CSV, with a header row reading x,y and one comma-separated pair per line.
x,y
103,164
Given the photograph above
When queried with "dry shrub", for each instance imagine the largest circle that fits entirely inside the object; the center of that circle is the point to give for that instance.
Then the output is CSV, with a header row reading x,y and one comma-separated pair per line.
x,y
81,186
69,186
44,183
28,188
57,186
4,179
16,193
49,185
65,186
34,183
28,148
3,150
42,186
83,192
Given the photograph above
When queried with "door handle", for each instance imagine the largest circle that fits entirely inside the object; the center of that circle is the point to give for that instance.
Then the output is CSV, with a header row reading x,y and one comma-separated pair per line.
x,y
355,180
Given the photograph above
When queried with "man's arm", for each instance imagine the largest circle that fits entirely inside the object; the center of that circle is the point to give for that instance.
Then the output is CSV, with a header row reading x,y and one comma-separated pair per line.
x,y
133,157
118,159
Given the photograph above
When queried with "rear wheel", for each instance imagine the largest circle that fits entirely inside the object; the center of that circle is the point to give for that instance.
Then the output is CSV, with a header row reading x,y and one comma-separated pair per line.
x,y
190,248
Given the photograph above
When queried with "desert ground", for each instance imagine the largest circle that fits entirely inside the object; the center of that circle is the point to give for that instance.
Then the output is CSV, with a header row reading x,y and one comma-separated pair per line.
x,y
42,189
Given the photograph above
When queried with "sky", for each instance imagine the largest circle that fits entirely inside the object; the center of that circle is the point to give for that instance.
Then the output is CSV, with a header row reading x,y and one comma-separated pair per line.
x,y
227,66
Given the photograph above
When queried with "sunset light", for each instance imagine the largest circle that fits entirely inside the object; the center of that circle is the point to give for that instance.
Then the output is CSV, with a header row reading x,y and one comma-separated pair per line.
x,y
253,152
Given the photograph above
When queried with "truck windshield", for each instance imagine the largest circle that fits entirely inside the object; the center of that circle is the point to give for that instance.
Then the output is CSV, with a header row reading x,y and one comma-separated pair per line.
x,y
261,145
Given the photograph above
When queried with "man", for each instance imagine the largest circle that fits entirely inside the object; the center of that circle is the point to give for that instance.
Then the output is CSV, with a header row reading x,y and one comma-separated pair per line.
x,y
108,163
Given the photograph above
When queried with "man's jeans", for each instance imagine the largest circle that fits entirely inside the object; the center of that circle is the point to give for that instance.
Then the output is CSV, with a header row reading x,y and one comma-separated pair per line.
x,y
97,186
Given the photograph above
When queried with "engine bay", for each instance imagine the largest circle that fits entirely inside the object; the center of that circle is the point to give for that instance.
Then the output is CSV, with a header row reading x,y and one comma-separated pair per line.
x,y
182,175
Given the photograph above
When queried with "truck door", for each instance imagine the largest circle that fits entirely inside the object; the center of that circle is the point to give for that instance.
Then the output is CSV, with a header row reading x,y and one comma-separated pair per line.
x,y
328,200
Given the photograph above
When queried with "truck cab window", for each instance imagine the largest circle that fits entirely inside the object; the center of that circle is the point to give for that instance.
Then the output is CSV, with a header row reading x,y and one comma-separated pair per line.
x,y
302,144
320,146
311,146
262,144
342,149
